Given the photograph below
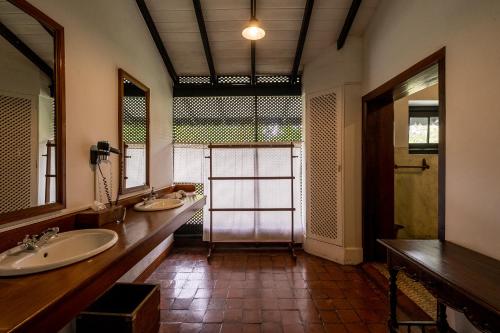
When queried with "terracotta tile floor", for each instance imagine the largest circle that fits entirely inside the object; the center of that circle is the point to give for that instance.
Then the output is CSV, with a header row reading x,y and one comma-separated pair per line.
x,y
243,291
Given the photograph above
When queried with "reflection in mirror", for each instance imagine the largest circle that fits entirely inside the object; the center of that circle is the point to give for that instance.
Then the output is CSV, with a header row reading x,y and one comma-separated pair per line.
x,y
28,103
134,132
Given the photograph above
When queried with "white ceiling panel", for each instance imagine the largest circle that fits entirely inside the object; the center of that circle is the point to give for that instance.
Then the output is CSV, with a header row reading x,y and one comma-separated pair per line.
x,y
28,30
225,4
225,19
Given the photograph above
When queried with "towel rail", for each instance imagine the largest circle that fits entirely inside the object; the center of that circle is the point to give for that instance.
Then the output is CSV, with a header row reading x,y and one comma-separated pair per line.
x,y
424,166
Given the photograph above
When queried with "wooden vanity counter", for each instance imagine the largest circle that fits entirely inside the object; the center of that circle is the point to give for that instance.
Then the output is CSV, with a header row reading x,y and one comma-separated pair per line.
x,y
45,302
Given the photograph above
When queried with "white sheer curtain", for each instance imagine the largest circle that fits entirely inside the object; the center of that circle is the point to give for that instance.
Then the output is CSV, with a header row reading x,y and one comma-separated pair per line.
x,y
190,165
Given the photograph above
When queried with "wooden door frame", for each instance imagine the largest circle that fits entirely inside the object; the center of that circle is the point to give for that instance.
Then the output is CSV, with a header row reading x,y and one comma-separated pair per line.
x,y
386,91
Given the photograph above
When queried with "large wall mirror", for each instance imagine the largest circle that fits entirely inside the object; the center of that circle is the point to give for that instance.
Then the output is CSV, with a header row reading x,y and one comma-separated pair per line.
x,y
133,120
32,112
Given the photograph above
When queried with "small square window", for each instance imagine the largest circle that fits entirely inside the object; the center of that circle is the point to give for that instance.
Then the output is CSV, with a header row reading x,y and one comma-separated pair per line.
x,y
423,129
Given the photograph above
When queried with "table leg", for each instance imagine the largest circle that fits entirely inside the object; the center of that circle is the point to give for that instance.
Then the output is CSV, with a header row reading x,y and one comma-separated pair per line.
x,y
442,323
393,299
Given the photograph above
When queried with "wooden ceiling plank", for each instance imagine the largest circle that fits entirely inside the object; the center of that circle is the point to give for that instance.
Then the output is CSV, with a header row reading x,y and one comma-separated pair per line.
x,y
26,51
157,39
204,39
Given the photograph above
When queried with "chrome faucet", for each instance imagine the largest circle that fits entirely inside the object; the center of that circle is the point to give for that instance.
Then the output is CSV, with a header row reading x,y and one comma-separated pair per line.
x,y
150,197
34,242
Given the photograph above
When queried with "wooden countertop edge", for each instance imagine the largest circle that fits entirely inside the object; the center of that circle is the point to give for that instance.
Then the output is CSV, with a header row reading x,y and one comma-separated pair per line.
x,y
56,315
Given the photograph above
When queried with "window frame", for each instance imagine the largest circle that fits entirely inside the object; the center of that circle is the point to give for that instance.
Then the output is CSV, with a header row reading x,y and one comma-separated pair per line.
x,y
423,111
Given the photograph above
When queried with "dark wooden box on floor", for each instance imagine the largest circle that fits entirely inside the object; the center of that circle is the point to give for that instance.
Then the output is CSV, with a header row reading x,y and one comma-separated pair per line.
x,y
126,307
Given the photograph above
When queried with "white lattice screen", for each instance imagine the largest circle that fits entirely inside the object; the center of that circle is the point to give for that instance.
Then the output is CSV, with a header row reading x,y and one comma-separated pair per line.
x,y
15,153
324,123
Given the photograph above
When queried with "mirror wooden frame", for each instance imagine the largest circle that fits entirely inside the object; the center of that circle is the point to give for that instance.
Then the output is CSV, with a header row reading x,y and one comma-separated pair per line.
x,y
122,75
57,31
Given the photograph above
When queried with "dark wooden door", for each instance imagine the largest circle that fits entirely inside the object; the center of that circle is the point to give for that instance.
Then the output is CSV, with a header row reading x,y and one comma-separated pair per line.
x,y
378,163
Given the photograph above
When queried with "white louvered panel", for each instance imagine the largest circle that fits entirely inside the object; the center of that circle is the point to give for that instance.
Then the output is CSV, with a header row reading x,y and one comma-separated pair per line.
x,y
324,122
15,153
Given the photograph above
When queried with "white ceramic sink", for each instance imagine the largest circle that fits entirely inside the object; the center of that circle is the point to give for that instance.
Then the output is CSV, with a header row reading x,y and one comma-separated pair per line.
x,y
158,204
64,249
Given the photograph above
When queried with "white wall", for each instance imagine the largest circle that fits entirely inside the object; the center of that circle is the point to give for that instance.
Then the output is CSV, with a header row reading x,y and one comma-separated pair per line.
x,y
100,37
329,70
401,34
404,32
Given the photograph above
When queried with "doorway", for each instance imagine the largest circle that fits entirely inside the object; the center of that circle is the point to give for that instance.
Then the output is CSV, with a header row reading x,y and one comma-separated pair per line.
x,y
404,156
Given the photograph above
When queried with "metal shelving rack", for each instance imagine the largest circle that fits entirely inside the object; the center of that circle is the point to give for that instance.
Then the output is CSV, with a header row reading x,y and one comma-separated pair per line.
x,y
291,177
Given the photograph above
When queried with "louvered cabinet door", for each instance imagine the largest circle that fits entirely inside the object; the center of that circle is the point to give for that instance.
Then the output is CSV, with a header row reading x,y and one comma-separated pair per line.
x,y
324,136
18,182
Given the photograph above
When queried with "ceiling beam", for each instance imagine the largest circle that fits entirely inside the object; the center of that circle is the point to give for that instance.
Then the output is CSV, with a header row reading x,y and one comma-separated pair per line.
x,y
204,39
351,15
26,51
189,90
157,39
302,39
253,14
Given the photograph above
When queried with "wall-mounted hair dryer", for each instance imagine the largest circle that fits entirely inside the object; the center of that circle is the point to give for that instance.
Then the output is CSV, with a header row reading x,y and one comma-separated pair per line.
x,y
101,151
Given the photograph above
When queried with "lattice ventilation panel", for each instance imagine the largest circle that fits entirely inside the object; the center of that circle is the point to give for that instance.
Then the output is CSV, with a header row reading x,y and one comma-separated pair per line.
x,y
234,79
194,226
134,120
194,79
271,79
15,153
202,120
279,118
325,216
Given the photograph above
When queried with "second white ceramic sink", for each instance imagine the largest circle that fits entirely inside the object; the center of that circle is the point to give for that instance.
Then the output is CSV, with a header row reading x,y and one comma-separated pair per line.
x,y
158,204
64,249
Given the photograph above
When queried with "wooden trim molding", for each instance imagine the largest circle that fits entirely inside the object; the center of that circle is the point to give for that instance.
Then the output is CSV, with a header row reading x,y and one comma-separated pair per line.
x,y
376,100
57,31
389,86
123,75
154,265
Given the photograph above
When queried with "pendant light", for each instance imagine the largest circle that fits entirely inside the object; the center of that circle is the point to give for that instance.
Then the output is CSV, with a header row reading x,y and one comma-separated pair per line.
x,y
253,31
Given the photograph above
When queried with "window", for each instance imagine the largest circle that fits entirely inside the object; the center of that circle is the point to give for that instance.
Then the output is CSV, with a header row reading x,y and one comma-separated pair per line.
x,y
198,121
423,129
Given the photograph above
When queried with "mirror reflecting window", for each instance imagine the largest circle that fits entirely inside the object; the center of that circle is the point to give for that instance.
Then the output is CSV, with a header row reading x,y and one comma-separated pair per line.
x,y
134,133
31,96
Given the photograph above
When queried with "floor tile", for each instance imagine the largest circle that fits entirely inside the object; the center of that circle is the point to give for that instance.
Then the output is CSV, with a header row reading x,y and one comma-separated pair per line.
x,y
271,316
190,328
336,328
348,316
252,316
233,315
265,291
213,316
211,328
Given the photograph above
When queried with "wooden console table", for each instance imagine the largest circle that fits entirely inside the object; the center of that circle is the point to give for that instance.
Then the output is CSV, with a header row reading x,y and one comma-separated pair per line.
x,y
460,278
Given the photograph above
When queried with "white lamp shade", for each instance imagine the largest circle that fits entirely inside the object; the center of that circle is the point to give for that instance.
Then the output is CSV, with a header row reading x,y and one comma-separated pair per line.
x,y
253,31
